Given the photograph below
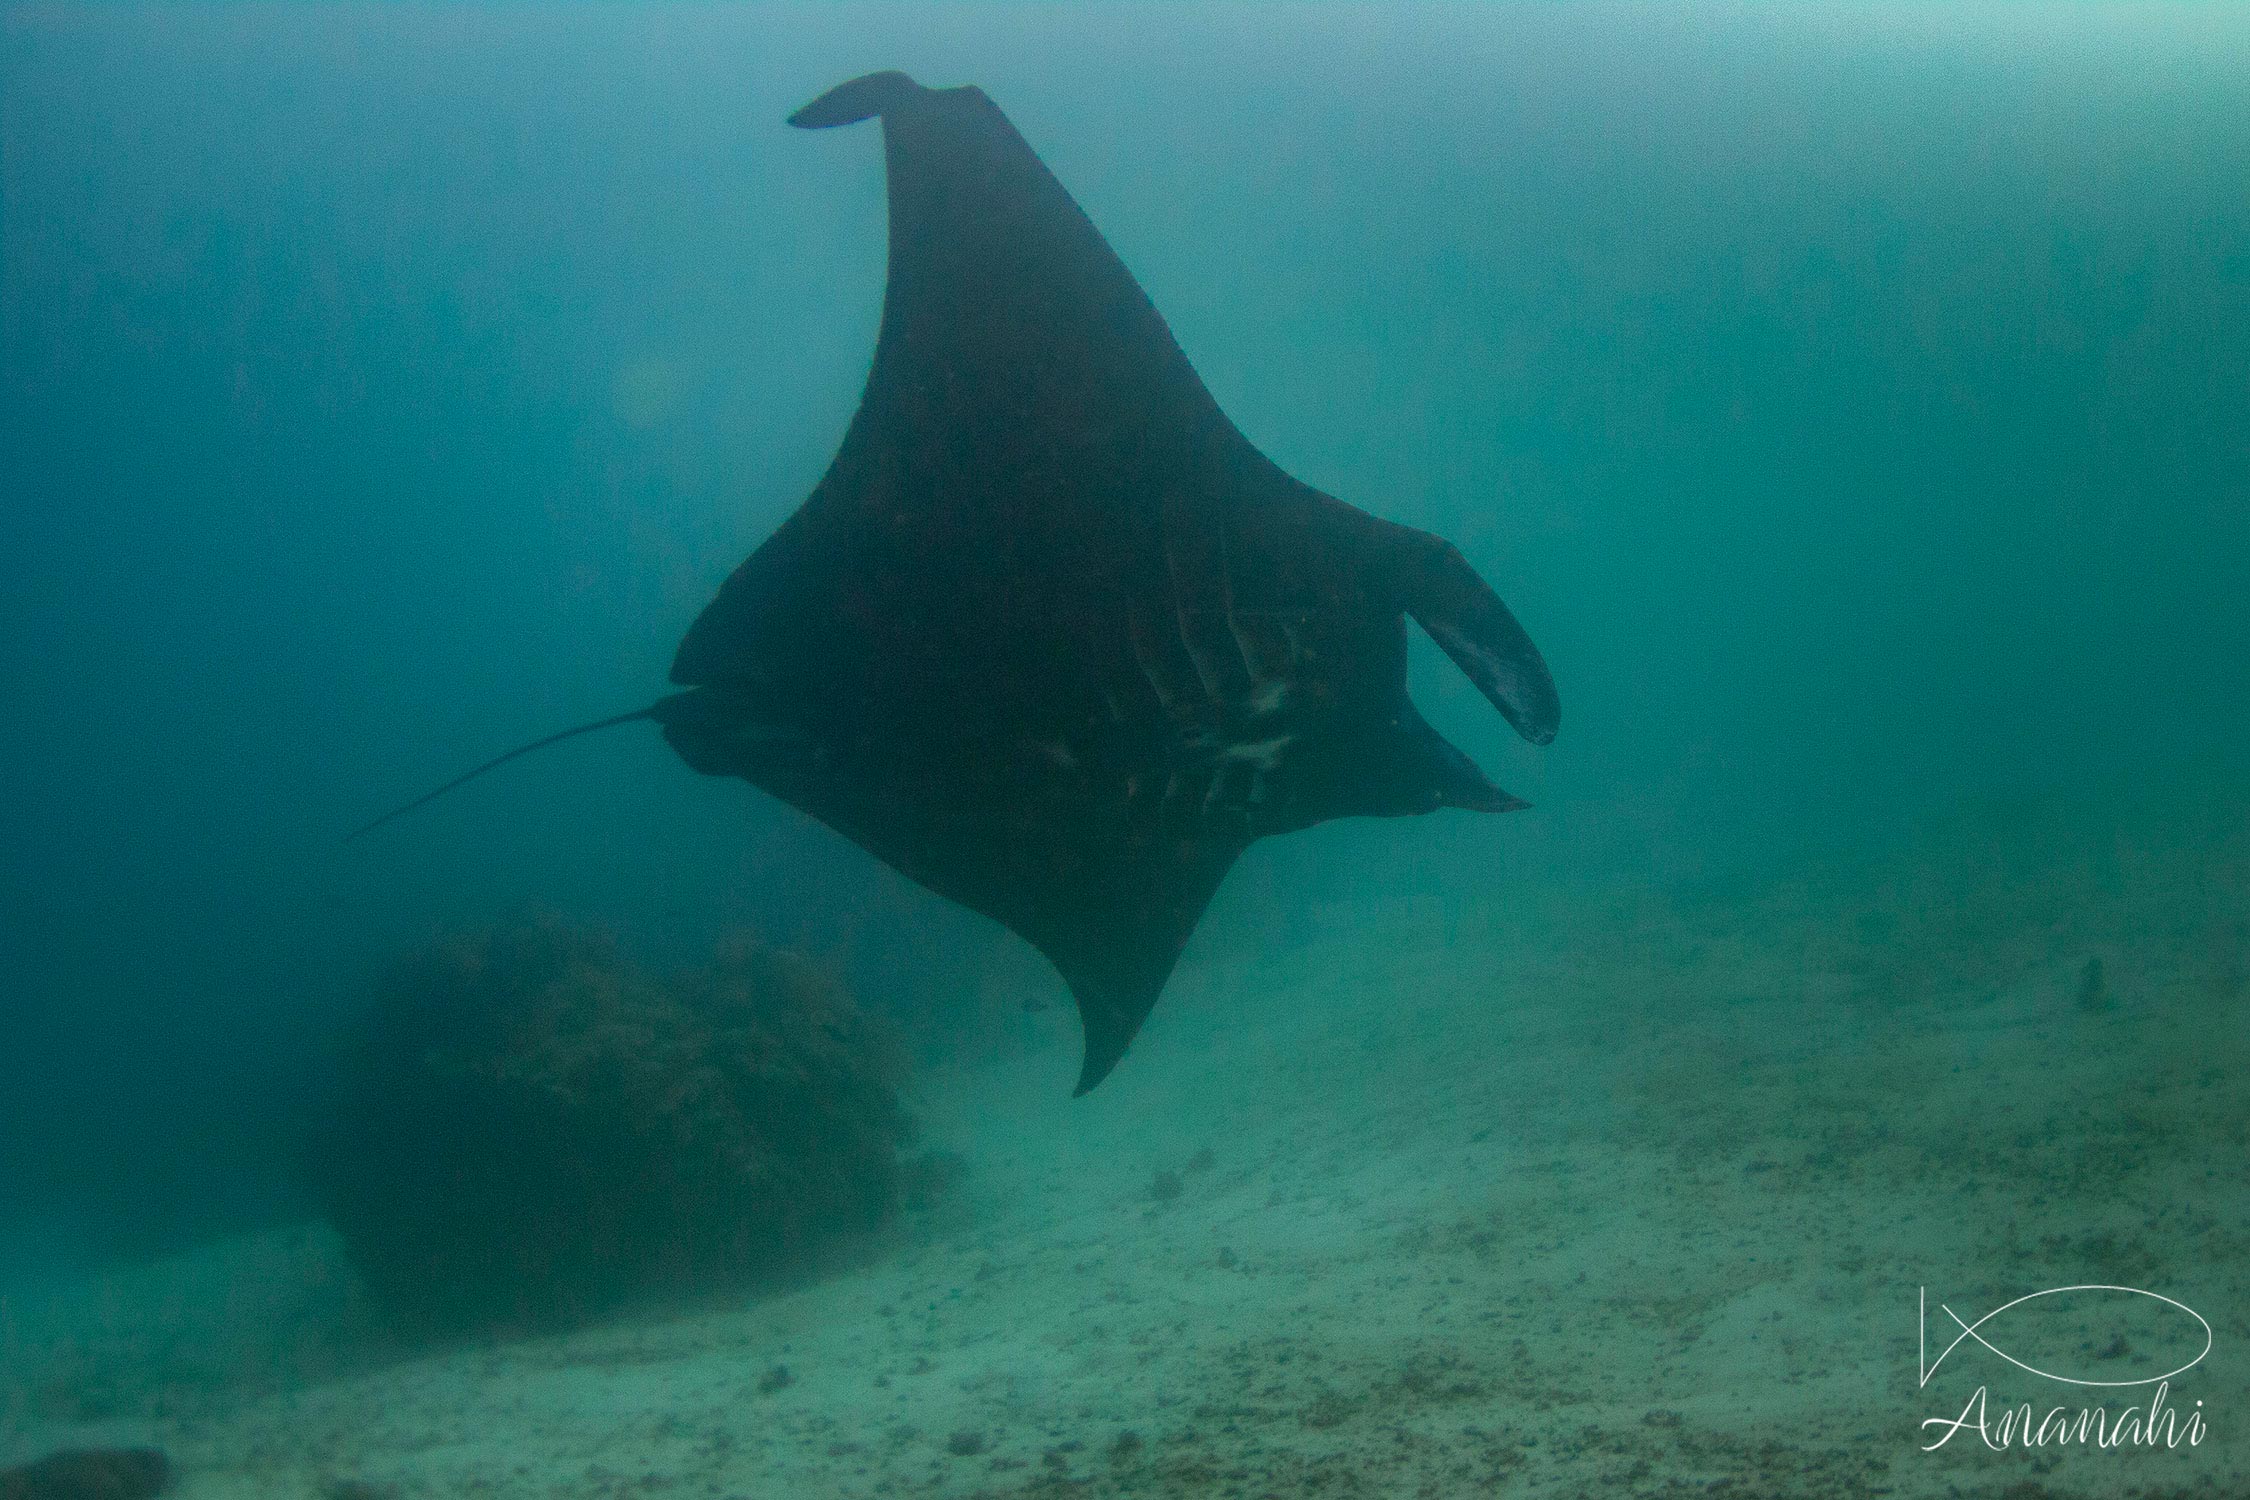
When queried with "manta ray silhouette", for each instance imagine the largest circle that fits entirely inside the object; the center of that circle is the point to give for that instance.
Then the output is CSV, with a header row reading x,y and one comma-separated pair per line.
x,y
1051,637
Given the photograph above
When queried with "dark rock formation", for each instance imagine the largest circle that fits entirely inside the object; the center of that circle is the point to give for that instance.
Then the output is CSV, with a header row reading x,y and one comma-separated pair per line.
x,y
528,1128
89,1474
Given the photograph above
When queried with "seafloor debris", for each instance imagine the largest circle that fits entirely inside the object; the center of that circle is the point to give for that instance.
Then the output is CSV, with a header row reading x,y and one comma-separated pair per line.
x,y
2230,960
528,1128
358,1489
2093,988
89,1474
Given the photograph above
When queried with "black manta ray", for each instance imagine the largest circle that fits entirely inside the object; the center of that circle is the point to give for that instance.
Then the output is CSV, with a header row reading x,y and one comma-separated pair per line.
x,y
1052,637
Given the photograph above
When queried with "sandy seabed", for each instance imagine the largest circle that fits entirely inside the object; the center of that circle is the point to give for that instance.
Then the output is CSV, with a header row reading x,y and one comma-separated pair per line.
x,y
1610,1194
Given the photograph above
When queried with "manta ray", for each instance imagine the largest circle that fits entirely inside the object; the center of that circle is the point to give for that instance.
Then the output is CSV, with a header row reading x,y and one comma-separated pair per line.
x,y
1051,637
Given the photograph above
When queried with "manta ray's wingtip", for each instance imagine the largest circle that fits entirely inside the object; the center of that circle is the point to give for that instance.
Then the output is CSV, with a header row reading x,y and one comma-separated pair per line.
x,y
1110,1024
1091,1073
1103,1052
861,99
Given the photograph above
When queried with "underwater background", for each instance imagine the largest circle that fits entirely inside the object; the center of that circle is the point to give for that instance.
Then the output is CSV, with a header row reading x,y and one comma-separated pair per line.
x,y
1852,401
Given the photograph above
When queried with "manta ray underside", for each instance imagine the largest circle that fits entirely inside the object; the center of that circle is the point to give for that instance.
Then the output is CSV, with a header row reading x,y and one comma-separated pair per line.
x,y
1051,637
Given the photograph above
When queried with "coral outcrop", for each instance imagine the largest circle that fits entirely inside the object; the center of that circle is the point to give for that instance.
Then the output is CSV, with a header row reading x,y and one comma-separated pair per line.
x,y
528,1127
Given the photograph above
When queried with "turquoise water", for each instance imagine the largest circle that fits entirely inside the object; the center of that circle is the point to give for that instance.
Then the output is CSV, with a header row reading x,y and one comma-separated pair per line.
x,y
1849,400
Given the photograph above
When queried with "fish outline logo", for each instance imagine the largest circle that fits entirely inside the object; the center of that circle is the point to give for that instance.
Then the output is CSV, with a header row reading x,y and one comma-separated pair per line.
x,y
1928,1367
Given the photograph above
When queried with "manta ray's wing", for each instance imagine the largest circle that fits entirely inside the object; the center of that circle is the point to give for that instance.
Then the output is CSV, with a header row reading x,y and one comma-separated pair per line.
x,y
1061,854
1027,421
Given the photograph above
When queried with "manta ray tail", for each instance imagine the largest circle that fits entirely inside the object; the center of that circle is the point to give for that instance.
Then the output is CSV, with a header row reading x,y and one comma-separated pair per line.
x,y
465,777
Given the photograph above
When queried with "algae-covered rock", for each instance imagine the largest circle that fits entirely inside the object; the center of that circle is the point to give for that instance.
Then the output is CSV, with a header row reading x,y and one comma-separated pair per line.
x,y
528,1127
